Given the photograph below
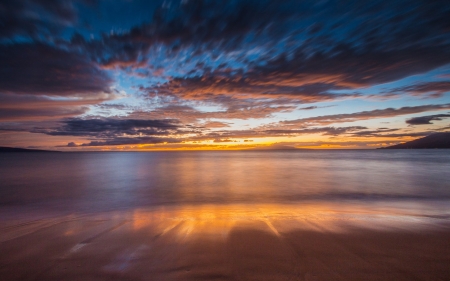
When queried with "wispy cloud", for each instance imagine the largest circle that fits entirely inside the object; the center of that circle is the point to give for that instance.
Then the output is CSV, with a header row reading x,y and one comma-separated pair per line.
x,y
364,115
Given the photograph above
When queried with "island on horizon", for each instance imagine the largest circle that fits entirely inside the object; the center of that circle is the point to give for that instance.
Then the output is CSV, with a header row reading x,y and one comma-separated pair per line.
x,y
16,149
433,141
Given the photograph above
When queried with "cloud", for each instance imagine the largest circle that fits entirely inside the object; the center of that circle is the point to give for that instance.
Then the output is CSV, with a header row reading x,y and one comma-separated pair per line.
x,y
201,62
425,89
331,131
314,107
388,134
312,78
223,140
425,120
48,113
244,87
114,131
230,26
45,70
215,124
134,140
36,19
262,49
32,107
230,109
71,144
109,127
229,135
38,81
363,115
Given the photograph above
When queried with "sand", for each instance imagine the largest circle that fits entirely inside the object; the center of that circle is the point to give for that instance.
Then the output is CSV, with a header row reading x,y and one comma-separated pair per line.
x,y
249,242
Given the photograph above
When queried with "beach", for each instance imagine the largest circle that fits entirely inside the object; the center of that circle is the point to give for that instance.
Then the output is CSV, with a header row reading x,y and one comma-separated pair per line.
x,y
230,242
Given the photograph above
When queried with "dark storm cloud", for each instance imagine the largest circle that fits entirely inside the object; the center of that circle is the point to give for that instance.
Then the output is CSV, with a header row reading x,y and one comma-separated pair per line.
x,y
425,120
42,69
364,115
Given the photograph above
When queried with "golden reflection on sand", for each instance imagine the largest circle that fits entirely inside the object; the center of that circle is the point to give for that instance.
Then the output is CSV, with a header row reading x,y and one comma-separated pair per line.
x,y
219,220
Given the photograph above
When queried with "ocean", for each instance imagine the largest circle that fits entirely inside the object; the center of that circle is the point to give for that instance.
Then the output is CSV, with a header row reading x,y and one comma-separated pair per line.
x,y
104,181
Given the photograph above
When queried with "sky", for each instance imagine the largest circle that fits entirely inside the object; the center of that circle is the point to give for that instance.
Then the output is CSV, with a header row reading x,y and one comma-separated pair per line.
x,y
200,75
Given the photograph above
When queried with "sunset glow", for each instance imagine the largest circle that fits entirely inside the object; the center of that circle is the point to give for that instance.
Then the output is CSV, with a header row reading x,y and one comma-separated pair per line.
x,y
180,75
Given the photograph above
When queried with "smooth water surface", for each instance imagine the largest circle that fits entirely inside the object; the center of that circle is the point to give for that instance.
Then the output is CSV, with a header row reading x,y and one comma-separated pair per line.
x,y
109,181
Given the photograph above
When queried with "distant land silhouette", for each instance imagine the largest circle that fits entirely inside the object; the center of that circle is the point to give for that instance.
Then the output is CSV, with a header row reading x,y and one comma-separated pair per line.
x,y
437,140
14,149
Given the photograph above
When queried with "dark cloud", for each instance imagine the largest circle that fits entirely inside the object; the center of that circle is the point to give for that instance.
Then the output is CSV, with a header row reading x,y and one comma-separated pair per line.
x,y
425,120
113,131
406,134
388,133
131,141
298,49
349,67
228,135
364,115
36,18
331,131
308,108
223,140
369,133
46,70
71,144
313,78
225,26
247,86
208,60
38,81
109,127
425,89
41,107
231,109
48,113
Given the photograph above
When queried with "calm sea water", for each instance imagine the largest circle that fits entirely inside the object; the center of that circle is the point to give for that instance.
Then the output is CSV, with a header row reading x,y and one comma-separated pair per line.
x,y
107,180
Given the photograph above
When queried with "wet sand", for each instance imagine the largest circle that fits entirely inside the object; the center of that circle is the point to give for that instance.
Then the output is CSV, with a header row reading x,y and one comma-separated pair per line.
x,y
229,242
